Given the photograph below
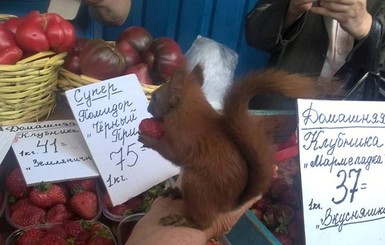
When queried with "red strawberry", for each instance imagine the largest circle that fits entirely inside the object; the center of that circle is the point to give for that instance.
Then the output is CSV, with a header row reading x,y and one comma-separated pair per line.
x,y
58,214
57,230
258,213
15,204
15,183
283,238
134,203
77,230
52,239
262,204
120,210
290,196
269,219
152,127
107,200
84,204
30,237
28,215
1,198
81,185
46,195
277,187
100,235
284,214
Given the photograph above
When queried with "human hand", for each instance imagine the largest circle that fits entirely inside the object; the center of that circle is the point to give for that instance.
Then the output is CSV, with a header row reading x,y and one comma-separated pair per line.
x,y
296,9
149,231
351,14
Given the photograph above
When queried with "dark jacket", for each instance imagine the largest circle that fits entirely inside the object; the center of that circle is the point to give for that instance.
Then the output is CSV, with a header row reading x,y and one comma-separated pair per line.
x,y
303,47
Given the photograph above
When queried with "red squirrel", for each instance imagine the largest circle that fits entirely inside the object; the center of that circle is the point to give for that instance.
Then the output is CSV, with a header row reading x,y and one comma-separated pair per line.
x,y
226,158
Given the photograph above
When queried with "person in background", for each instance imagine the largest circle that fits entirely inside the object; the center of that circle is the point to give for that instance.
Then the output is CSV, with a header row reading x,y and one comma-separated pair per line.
x,y
316,38
109,12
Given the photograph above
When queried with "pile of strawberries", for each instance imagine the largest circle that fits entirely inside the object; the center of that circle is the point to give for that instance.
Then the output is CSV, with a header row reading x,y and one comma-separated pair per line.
x,y
49,203
280,209
71,232
138,204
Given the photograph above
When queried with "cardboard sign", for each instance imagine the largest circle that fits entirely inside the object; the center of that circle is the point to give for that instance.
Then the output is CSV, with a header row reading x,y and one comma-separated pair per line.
x,y
109,113
52,151
6,139
68,9
342,153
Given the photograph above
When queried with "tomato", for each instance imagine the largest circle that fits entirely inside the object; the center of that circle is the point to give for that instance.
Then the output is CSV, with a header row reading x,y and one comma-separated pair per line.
x,y
60,33
30,34
41,32
131,56
7,38
12,23
72,60
101,60
137,36
141,71
10,55
163,57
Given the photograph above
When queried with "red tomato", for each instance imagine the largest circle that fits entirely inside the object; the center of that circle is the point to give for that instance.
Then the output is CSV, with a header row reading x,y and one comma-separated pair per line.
x,y
137,36
141,71
30,34
131,56
10,55
7,38
163,57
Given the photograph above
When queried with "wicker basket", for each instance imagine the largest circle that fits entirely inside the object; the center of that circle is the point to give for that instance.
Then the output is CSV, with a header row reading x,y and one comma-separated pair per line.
x,y
27,89
69,80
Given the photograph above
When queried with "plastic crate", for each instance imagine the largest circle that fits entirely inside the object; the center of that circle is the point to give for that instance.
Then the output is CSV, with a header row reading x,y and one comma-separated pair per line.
x,y
251,231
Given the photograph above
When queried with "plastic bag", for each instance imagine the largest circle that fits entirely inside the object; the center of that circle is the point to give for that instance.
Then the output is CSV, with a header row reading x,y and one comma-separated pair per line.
x,y
218,63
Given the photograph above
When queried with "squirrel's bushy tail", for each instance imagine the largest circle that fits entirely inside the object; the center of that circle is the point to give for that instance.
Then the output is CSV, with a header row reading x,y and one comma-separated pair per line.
x,y
252,133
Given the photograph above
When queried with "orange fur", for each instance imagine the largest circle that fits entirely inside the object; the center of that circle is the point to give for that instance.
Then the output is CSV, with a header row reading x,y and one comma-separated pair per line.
x,y
226,158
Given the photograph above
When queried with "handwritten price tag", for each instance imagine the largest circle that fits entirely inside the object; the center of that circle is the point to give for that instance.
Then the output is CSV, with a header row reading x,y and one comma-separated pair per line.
x,y
342,152
109,113
52,151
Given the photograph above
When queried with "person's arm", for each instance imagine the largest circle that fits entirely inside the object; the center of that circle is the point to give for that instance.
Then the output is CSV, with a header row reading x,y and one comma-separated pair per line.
x,y
109,12
267,23
148,231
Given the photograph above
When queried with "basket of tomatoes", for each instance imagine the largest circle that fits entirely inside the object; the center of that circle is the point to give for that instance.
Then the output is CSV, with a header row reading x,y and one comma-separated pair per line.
x,y
32,49
135,51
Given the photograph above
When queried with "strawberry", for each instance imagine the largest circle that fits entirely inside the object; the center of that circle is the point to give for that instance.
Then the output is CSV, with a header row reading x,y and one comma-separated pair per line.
x,y
284,214
27,215
100,235
283,238
15,204
81,185
107,200
262,204
15,183
77,230
52,239
84,204
46,195
120,210
30,237
152,127
58,214
290,196
277,187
